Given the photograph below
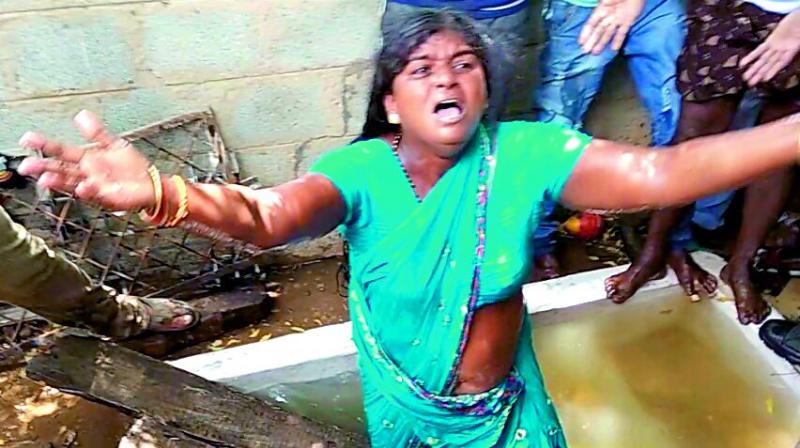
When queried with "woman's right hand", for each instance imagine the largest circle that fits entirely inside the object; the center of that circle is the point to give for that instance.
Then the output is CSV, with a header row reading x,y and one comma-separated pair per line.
x,y
110,172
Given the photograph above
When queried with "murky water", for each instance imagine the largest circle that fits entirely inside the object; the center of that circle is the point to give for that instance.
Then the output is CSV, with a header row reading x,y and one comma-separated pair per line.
x,y
658,372
661,372
336,400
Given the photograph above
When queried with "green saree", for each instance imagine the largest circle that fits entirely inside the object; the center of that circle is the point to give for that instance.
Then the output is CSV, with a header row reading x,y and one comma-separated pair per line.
x,y
420,269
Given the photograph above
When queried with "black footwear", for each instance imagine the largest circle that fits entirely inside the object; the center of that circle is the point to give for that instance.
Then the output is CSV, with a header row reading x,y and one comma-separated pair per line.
x,y
783,337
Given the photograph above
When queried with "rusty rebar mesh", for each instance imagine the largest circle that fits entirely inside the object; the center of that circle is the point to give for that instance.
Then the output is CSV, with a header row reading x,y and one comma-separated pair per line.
x,y
118,249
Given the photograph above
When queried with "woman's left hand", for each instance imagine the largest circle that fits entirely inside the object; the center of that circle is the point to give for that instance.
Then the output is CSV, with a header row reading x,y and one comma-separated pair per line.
x,y
110,172
778,50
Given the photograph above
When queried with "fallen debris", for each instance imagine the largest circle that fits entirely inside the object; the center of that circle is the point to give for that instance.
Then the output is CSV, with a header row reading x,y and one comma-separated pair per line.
x,y
196,408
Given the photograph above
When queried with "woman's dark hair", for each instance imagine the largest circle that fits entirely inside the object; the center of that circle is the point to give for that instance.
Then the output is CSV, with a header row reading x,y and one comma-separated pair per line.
x,y
406,33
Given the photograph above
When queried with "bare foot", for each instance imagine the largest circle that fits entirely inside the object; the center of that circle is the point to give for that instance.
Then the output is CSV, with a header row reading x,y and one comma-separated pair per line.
x,y
694,280
750,306
545,267
622,286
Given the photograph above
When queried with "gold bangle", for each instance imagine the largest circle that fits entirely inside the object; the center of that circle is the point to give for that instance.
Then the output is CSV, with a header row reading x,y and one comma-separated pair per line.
x,y
155,177
183,204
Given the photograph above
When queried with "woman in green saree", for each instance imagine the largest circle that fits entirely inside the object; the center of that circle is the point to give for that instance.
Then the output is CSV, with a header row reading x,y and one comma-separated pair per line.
x,y
438,203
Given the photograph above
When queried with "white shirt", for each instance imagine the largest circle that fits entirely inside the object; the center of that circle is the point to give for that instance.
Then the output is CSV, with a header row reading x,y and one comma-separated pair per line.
x,y
777,6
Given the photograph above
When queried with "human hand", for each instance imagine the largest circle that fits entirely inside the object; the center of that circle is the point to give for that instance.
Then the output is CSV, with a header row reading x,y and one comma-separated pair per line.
x,y
776,52
610,22
110,172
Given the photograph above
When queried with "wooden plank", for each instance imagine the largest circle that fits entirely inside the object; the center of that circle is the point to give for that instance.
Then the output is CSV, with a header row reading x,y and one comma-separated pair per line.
x,y
199,409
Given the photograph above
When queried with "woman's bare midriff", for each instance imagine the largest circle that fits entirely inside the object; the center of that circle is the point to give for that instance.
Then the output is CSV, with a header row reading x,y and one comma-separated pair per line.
x,y
491,346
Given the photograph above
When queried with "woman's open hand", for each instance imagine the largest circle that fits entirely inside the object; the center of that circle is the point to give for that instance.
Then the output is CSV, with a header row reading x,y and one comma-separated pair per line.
x,y
110,172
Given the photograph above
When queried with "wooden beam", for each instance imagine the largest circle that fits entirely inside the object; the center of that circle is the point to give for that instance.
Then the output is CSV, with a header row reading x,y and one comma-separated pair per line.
x,y
199,409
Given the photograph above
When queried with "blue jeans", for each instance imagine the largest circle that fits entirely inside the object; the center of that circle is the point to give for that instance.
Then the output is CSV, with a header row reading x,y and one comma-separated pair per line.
x,y
571,79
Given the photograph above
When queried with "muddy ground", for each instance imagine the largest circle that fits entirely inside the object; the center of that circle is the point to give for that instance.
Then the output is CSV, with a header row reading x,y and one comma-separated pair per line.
x,y
32,415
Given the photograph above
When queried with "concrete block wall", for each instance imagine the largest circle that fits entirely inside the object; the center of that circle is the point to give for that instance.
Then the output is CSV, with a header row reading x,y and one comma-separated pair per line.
x,y
287,79
276,72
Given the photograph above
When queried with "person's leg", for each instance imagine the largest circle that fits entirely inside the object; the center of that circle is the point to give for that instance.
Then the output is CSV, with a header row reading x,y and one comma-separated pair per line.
x,y
545,263
569,78
710,90
764,200
569,82
709,212
696,120
38,279
652,49
765,197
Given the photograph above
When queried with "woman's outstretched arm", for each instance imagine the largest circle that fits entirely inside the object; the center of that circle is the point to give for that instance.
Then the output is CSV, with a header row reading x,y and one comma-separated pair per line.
x,y
114,175
619,177
307,207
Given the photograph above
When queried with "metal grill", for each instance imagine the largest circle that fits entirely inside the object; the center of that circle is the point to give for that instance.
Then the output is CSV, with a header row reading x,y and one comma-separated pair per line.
x,y
118,248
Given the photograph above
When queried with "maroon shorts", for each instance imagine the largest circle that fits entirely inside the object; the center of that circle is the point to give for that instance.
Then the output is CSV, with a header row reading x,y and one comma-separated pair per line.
x,y
720,33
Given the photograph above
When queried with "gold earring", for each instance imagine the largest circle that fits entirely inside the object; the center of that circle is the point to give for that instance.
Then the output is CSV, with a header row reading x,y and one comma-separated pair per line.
x,y
394,118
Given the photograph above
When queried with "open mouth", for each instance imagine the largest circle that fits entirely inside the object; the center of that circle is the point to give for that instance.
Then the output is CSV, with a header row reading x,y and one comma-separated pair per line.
x,y
449,111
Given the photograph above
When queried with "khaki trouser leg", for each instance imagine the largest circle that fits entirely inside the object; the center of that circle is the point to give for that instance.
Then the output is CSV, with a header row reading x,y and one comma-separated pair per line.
x,y
36,278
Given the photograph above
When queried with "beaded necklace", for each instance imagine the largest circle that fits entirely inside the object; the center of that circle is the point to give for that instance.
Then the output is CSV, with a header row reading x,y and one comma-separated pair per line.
x,y
396,150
